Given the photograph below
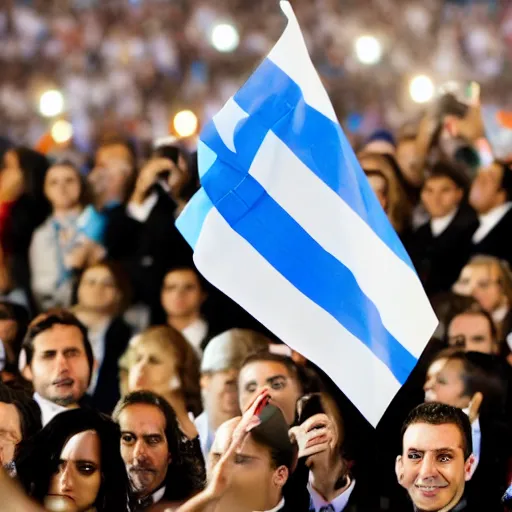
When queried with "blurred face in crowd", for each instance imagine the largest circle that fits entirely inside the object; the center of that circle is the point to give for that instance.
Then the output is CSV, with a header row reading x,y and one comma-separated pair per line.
x,y
59,369
154,367
62,187
182,295
486,192
11,176
431,377
284,388
256,481
380,187
98,290
432,466
448,386
113,168
220,396
78,480
10,432
441,196
407,158
472,333
144,447
483,283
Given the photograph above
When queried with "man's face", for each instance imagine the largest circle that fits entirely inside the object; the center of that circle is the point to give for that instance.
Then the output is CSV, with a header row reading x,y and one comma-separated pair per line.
x,y
10,432
182,295
59,369
407,157
284,388
441,196
486,191
432,466
220,392
472,333
144,447
254,477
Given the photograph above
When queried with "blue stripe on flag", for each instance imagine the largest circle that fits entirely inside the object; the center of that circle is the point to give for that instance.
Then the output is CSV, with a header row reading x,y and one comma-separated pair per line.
x,y
275,102
302,261
190,222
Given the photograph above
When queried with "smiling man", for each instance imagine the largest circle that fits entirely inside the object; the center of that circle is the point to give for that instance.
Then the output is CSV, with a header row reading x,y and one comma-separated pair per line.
x,y
436,458
59,362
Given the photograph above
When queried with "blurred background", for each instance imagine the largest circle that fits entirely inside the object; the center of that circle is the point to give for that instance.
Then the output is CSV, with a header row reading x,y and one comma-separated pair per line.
x,y
82,68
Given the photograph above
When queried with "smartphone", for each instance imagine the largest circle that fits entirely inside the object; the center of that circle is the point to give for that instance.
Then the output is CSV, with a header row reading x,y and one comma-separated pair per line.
x,y
308,406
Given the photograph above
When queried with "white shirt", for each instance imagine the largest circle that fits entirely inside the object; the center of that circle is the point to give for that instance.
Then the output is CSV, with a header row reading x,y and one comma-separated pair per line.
x,y
48,409
279,506
339,503
97,339
158,495
439,225
141,212
489,221
476,436
195,333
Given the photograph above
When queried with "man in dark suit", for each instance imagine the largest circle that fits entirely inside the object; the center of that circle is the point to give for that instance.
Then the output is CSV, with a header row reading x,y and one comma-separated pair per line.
x,y
491,197
437,458
440,248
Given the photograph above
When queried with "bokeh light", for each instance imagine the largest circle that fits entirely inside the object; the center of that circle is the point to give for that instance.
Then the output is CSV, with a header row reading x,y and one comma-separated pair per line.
x,y
421,89
185,123
51,103
225,37
368,50
62,131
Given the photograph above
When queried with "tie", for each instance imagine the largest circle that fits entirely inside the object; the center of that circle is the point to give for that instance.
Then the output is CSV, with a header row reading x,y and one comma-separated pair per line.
x,y
327,508
144,503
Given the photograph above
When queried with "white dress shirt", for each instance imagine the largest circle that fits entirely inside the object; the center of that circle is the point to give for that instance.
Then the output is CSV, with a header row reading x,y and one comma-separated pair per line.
x,y
195,333
279,506
48,409
476,436
489,221
439,225
141,212
339,503
158,495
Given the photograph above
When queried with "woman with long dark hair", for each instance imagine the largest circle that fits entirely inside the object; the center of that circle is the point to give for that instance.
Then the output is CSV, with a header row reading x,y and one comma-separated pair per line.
x,y
74,464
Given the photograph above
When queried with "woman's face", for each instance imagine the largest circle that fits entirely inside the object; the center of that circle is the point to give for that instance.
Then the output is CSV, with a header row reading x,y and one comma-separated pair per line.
x,y
77,482
62,187
154,368
182,295
98,290
448,386
482,282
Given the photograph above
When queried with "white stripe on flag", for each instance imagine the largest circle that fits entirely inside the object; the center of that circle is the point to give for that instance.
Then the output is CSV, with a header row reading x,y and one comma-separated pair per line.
x,y
291,55
404,309
236,268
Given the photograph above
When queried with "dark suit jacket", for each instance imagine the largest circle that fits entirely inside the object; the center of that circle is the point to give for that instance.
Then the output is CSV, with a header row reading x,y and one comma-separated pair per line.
x,y
106,395
498,241
148,249
439,260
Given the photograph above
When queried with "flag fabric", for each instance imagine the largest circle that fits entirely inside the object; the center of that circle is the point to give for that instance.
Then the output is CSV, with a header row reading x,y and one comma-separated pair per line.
x,y
286,224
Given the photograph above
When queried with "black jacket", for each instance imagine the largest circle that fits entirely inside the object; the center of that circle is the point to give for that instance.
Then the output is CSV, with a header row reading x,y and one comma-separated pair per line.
x,y
439,259
498,242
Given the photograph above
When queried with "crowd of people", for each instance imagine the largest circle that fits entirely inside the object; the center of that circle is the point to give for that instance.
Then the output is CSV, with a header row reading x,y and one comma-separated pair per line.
x,y
129,383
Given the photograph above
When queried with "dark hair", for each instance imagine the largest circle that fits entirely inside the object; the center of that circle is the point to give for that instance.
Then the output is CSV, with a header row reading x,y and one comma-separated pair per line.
x,y
186,474
440,414
203,283
46,321
39,458
29,412
18,314
506,180
119,140
121,280
452,171
34,167
477,310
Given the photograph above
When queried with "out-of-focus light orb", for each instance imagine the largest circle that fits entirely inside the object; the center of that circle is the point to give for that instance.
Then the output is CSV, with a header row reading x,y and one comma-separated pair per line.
x,y
62,131
225,37
51,103
368,50
421,89
185,123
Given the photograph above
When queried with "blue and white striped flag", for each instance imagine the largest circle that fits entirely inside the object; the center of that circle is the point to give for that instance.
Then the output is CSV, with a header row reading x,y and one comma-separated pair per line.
x,y
287,225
